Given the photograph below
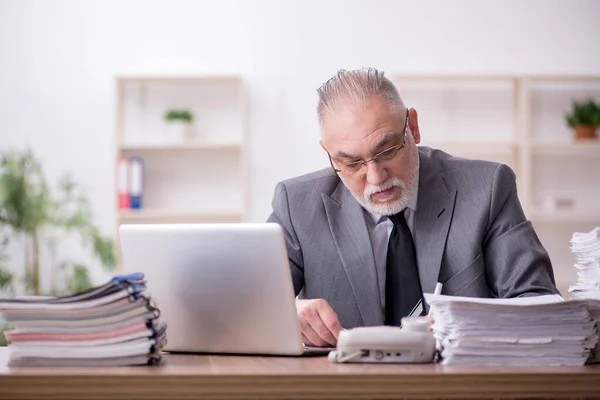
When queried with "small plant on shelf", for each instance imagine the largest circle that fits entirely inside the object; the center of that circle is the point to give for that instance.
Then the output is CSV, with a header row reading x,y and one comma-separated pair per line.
x,y
179,115
179,124
584,118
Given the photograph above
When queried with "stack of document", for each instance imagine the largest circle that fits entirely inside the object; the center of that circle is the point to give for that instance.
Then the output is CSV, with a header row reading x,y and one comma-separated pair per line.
x,y
528,331
109,325
586,249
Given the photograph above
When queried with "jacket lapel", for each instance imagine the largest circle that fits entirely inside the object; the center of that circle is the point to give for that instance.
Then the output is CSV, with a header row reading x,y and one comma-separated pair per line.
x,y
435,207
349,230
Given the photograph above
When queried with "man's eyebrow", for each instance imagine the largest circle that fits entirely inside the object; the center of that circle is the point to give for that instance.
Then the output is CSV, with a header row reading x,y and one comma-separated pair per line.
x,y
385,141
382,143
341,154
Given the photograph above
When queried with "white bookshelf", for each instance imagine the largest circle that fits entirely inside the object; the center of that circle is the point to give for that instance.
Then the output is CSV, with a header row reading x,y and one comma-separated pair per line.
x,y
180,147
563,148
520,120
574,215
198,179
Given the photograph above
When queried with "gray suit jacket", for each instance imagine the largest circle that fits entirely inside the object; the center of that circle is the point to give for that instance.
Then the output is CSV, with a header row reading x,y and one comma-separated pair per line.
x,y
470,234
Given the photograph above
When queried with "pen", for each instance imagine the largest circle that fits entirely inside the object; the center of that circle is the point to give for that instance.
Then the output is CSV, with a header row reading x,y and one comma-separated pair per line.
x,y
437,290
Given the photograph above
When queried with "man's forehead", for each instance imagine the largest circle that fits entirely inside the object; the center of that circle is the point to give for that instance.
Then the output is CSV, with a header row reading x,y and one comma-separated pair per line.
x,y
357,125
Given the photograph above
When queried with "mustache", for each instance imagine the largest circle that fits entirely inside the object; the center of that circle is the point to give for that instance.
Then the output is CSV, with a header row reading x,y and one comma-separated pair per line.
x,y
371,189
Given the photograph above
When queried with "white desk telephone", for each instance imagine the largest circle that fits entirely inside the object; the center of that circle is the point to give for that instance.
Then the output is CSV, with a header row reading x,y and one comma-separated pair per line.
x,y
413,343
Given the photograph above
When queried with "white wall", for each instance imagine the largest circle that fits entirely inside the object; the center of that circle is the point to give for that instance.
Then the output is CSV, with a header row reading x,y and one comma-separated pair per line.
x,y
58,60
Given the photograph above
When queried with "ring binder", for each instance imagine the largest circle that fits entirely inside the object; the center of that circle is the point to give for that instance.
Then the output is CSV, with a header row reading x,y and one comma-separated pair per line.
x,y
113,324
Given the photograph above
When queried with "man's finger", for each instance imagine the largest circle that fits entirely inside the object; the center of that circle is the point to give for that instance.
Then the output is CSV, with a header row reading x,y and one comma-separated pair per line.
x,y
330,319
309,333
321,329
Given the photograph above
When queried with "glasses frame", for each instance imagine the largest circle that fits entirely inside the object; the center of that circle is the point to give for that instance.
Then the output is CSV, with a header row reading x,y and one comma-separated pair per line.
x,y
376,157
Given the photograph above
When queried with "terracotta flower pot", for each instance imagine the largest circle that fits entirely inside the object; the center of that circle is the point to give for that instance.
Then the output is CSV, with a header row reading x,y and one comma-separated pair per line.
x,y
585,131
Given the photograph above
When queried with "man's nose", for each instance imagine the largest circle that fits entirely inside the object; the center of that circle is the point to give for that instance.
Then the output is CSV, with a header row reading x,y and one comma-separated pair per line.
x,y
376,174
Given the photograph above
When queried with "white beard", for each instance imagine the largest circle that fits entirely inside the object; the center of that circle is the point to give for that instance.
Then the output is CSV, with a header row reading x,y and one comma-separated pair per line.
x,y
389,207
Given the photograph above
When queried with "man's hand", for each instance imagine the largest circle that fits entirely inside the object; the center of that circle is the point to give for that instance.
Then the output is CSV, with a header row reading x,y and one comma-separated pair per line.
x,y
318,322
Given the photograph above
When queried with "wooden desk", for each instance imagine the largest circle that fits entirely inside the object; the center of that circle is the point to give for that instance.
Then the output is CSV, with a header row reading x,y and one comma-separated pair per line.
x,y
225,377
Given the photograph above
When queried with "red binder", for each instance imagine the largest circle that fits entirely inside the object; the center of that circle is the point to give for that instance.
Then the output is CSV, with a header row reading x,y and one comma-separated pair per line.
x,y
123,183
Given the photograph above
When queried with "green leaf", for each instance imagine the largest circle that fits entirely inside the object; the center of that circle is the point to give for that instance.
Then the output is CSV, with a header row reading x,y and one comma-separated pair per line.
x,y
3,341
179,115
23,192
79,280
28,206
6,279
584,113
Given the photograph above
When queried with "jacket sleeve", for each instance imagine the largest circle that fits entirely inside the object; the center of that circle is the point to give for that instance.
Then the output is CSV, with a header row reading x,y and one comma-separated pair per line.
x,y
516,262
282,215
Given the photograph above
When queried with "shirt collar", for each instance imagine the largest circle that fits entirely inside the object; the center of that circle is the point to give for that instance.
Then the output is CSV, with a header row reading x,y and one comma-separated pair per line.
x,y
412,205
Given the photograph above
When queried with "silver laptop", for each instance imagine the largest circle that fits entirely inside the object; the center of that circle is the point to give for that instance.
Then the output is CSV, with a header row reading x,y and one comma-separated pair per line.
x,y
221,288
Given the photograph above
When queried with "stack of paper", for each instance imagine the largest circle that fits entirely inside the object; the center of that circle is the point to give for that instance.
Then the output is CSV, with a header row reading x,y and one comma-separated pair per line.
x,y
586,249
528,331
113,324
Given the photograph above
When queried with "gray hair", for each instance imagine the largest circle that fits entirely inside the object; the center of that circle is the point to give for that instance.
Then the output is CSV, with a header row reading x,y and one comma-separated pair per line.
x,y
354,89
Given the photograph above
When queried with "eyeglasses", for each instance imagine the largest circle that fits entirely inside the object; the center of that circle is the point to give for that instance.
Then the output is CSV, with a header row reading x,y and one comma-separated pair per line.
x,y
388,154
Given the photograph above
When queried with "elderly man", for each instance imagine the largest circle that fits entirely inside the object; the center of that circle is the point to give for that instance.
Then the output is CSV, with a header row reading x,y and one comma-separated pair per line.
x,y
368,236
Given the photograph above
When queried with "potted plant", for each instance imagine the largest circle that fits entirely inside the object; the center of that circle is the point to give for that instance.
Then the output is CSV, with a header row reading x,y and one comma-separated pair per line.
x,y
33,215
179,123
584,119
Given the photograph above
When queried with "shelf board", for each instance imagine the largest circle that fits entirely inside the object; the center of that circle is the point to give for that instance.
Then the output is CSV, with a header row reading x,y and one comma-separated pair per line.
x,y
580,148
495,77
168,216
179,147
561,78
183,78
474,147
569,215
453,78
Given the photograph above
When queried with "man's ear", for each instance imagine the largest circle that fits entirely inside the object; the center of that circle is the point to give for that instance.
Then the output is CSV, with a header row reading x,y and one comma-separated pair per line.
x,y
413,124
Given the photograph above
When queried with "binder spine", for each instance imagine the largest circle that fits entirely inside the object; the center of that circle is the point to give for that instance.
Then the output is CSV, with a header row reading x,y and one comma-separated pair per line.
x,y
124,199
137,182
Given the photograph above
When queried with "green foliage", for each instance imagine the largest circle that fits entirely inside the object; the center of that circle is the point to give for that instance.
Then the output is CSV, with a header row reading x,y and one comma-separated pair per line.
x,y
28,207
3,341
24,197
179,115
584,113
6,279
78,280
6,276
75,215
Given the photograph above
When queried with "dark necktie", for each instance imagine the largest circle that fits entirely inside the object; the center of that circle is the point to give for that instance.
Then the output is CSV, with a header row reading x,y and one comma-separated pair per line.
x,y
403,295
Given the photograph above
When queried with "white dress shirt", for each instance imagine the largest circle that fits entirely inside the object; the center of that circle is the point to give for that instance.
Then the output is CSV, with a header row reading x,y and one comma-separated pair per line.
x,y
380,228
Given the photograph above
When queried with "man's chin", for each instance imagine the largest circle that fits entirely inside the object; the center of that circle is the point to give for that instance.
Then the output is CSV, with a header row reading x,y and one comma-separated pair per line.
x,y
389,207
385,208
